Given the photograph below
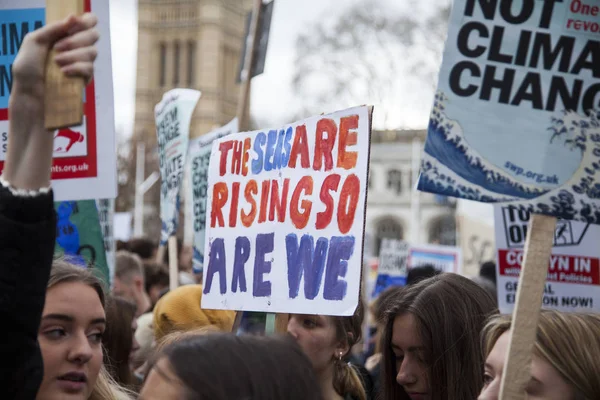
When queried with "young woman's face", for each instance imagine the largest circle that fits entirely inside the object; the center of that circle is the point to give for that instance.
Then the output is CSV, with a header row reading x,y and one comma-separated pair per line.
x,y
411,367
70,338
162,383
316,334
545,383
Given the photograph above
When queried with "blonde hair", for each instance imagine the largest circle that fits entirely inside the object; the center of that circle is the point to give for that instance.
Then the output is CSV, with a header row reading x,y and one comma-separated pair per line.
x,y
64,271
570,342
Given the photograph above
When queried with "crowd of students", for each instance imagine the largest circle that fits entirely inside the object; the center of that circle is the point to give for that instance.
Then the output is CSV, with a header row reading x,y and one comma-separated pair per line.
x,y
64,337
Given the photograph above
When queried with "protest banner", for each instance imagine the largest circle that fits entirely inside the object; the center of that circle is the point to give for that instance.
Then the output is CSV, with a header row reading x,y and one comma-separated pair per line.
x,y
516,121
573,278
393,264
199,158
106,216
84,165
79,235
287,209
443,258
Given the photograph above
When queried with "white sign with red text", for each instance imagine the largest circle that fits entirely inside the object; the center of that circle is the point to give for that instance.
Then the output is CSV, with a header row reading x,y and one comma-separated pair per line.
x,y
573,280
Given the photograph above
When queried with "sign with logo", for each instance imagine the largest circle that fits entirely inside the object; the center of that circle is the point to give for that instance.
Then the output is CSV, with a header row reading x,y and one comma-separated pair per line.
x,y
393,264
84,165
573,280
443,258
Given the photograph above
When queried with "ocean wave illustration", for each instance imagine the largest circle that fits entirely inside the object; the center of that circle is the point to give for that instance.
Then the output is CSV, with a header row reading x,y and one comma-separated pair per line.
x,y
453,168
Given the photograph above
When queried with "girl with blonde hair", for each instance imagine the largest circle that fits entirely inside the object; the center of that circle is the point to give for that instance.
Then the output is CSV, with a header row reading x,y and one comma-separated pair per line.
x,y
566,357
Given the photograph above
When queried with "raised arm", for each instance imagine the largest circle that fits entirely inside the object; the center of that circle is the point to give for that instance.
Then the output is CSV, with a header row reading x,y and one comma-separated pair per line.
x,y
27,218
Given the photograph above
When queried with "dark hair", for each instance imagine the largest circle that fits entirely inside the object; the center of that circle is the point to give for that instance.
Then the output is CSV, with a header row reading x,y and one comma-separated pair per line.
x,y
417,274
451,312
118,338
224,366
155,274
488,270
382,302
346,378
143,247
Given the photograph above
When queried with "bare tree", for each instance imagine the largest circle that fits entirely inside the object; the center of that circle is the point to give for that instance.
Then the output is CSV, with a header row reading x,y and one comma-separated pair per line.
x,y
367,53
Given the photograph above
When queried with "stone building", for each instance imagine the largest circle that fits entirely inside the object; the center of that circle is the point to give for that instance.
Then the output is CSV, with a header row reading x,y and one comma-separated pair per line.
x,y
189,44
394,209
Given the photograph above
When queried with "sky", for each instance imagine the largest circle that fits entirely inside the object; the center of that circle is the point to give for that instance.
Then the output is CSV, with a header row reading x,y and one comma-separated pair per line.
x,y
273,100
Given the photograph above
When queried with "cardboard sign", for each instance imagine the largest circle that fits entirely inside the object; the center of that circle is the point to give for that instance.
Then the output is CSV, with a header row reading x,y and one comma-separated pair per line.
x,y
84,165
516,117
393,265
79,235
199,158
573,280
173,115
287,209
444,258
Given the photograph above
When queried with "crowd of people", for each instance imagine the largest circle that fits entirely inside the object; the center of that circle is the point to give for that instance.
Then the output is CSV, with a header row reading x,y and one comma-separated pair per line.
x,y
67,337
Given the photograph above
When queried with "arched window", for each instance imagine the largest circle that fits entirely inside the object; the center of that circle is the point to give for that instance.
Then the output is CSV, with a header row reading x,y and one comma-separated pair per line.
x,y
388,228
443,231
394,181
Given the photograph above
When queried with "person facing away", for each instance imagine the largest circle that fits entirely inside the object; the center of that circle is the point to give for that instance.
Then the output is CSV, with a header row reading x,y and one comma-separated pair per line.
x,y
431,347
27,217
327,341
222,366
129,281
566,357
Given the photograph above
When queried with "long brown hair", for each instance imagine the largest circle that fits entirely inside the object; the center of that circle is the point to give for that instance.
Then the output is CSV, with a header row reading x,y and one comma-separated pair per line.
x,y
450,311
346,379
118,339
570,342
64,271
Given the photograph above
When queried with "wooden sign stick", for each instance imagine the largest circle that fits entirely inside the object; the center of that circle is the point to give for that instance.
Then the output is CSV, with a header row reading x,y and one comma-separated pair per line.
x,y
63,102
173,263
538,248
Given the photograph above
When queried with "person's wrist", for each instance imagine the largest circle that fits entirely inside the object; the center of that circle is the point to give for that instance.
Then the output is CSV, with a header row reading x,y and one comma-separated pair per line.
x,y
27,95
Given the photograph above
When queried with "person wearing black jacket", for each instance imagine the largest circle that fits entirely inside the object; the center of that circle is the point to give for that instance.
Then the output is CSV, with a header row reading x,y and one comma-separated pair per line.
x,y
27,218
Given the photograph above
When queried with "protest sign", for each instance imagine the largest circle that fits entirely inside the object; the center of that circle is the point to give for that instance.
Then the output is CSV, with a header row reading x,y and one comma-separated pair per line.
x,y
393,263
573,279
79,235
516,115
199,158
173,115
106,216
84,165
286,214
443,258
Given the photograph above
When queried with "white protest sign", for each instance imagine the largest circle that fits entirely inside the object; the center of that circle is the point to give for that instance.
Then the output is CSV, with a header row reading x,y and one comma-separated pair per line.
x,y
443,258
573,280
516,117
173,115
199,158
393,263
286,214
84,165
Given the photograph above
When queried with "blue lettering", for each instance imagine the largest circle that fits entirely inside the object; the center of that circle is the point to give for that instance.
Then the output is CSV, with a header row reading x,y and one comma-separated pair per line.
x,y
278,149
306,261
257,163
271,141
287,146
242,253
340,250
216,263
264,245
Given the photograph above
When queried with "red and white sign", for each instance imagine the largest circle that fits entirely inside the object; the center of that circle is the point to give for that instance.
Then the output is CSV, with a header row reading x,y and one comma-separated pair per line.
x,y
84,165
573,280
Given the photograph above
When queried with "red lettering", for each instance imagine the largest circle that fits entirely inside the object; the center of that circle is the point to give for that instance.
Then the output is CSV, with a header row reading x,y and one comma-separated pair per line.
x,y
250,190
300,219
569,22
330,183
220,194
236,158
247,144
264,199
348,202
224,148
235,195
300,147
578,25
575,6
347,160
325,139
277,203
